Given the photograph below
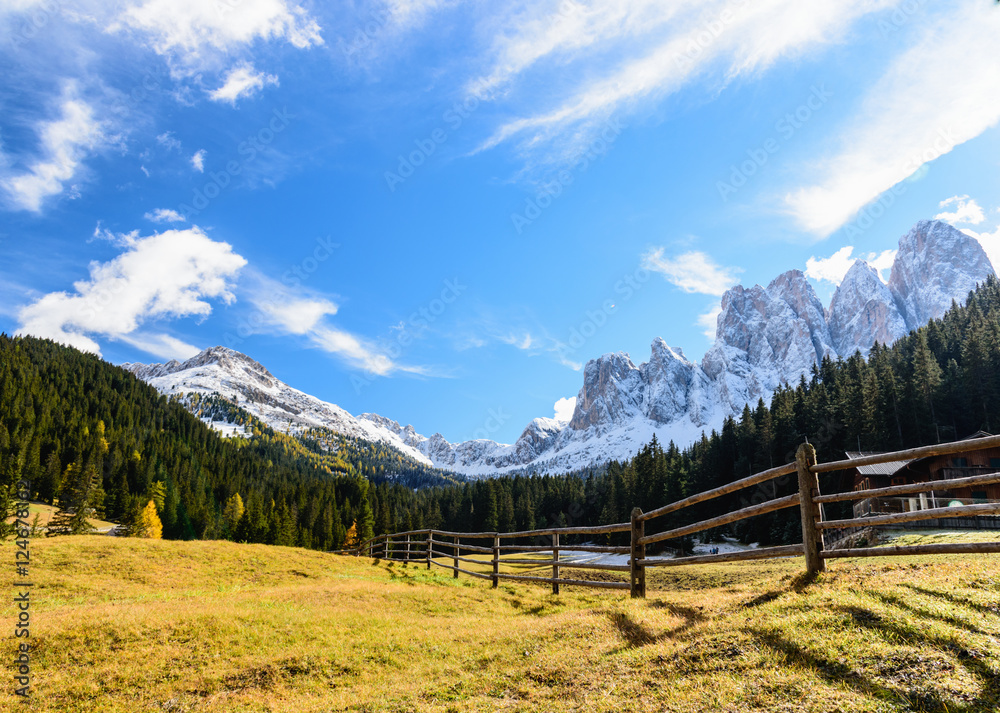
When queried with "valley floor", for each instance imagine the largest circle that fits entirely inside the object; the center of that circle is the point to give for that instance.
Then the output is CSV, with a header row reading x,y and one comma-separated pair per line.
x,y
128,626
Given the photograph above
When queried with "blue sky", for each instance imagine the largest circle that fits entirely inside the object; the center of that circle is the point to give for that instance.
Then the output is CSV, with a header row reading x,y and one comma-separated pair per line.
x,y
440,210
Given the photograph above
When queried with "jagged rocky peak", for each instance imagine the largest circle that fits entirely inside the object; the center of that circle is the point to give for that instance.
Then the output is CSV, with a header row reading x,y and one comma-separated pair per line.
x,y
780,328
863,312
936,263
612,391
673,384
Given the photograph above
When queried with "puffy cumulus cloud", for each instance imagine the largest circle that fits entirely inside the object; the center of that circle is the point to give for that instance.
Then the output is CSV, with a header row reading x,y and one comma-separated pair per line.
x,y
161,276
564,409
709,322
190,31
990,243
692,271
64,143
966,211
834,268
242,81
938,85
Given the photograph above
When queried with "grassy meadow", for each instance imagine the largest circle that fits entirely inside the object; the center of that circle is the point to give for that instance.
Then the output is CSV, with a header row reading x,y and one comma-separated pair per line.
x,y
124,625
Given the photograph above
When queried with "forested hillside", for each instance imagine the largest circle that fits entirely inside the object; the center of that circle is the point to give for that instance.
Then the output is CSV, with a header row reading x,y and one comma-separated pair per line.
x,y
66,415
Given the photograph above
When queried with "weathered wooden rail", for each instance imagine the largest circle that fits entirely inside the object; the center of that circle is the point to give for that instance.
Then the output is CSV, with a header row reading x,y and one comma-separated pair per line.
x,y
429,547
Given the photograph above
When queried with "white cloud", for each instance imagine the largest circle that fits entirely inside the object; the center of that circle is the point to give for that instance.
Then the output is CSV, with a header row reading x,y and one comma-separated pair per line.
x,y
164,215
990,243
64,144
166,275
521,342
564,409
303,313
709,322
167,140
966,211
692,272
192,31
663,47
929,101
242,81
198,161
834,268
881,262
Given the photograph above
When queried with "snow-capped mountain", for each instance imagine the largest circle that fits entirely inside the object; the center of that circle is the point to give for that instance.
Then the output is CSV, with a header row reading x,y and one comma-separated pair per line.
x,y
765,336
239,378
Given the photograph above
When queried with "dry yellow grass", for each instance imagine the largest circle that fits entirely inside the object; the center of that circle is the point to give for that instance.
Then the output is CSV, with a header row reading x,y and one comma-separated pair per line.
x,y
137,625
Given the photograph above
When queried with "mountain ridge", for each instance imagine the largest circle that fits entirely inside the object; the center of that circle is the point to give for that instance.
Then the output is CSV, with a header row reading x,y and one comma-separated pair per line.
x,y
765,336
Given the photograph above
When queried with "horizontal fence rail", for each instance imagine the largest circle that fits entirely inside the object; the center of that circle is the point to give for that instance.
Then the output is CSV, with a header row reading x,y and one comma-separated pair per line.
x,y
445,549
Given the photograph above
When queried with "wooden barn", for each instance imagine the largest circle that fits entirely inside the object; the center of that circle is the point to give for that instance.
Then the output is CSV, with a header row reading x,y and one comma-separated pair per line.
x,y
934,468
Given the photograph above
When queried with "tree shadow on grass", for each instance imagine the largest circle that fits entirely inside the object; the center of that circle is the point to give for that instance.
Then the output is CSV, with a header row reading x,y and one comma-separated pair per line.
x,y
839,673
958,601
636,634
895,601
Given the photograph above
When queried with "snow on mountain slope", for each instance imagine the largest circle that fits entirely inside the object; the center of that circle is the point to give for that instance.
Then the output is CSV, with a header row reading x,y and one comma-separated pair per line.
x,y
863,311
936,264
241,379
765,336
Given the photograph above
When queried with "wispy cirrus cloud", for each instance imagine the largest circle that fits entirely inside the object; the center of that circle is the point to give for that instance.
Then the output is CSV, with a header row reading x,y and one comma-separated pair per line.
x,y
938,85
301,312
658,48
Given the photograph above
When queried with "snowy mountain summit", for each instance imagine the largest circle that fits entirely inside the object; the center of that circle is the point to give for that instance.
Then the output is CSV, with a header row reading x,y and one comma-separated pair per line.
x,y
765,336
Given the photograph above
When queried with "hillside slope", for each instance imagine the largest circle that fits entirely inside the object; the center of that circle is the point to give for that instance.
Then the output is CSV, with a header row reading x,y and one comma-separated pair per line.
x,y
212,626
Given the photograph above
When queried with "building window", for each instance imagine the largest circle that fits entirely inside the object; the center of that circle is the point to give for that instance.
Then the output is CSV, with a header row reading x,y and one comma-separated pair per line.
x,y
979,496
960,462
995,463
899,480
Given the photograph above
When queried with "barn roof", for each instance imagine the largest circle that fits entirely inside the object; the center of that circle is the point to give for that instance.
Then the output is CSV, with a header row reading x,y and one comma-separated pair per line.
x,y
877,468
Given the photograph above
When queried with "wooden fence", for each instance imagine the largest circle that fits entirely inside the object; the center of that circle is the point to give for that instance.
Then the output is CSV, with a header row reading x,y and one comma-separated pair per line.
x,y
428,545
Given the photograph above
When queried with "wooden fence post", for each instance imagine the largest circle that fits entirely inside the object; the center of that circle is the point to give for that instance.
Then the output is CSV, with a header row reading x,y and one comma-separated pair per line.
x,y
555,558
638,571
407,549
456,558
496,560
430,536
812,536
